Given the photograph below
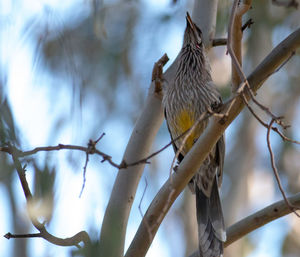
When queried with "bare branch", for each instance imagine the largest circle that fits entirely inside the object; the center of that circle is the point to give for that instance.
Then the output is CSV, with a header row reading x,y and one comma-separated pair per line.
x,y
140,207
124,189
219,42
84,173
58,147
223,41
74,240
293,208
203,116
248,24
10,235
91,149
234,46
157,73
285,138
258,219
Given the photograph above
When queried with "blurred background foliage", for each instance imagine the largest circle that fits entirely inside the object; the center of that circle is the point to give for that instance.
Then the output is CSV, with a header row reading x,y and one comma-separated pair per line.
x,y
93,61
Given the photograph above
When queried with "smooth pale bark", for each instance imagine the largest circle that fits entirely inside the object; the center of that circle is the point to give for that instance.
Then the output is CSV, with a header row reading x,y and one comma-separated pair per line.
x,y
204,15
115,220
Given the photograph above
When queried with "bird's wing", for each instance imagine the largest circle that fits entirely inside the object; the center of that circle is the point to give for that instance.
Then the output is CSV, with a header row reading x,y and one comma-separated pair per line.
x,y
220,154
180,156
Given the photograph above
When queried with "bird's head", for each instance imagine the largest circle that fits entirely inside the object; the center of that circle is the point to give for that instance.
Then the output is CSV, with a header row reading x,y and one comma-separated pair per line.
x,y
192,34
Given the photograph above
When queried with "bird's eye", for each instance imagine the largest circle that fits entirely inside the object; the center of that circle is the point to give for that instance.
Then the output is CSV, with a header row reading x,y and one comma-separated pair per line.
x,y
198,45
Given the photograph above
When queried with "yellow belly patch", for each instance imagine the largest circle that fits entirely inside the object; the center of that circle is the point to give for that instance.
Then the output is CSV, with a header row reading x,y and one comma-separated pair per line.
x,y
184,121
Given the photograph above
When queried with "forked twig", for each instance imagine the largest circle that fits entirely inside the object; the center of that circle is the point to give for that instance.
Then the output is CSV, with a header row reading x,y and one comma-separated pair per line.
x,y
74,240
292,207
90,150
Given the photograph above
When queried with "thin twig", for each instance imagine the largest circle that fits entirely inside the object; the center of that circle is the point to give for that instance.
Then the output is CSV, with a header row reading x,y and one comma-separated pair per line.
x,y
75,240
247,24
84,173
219,42
146,159
223,41
292,207
277,119
58,147
10,235
232,101
184,134
101,136
275,129
141,212
253,112
202,117
90,150
285,138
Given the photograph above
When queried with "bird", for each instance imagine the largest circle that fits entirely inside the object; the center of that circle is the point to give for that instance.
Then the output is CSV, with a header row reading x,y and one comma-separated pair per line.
x,y
191,93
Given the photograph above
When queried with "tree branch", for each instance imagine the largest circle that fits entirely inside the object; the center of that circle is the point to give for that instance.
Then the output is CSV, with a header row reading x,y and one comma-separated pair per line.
x,y
219,42
234,46
71,241
115,220
89,150
293,208
204,15
258,219
193,160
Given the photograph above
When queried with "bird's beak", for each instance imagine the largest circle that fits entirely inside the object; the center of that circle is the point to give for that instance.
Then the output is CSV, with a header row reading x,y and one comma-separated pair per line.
x,y
189,22
192,26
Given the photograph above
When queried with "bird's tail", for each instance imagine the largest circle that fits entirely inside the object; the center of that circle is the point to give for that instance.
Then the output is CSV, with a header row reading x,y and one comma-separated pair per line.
x,y
211,229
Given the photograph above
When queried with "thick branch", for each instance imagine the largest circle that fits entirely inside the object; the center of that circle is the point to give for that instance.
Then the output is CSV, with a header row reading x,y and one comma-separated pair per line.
x,y
193,160
115,220
204,15
258,219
